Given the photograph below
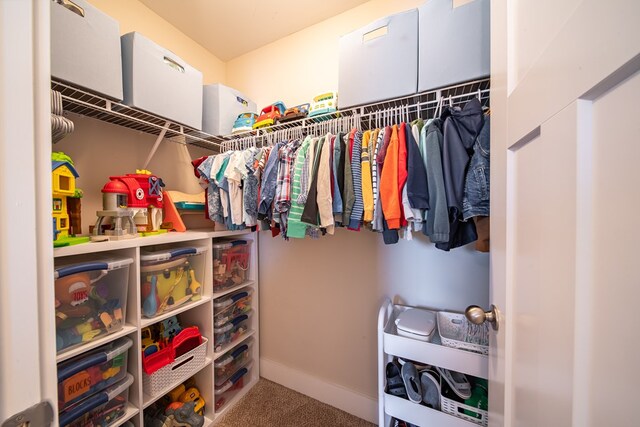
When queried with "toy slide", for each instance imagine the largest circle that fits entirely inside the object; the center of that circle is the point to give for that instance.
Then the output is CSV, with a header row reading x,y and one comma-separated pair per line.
x,y
184,211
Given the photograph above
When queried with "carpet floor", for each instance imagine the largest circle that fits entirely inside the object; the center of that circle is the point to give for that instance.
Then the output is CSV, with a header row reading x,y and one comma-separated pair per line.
x,y
269,404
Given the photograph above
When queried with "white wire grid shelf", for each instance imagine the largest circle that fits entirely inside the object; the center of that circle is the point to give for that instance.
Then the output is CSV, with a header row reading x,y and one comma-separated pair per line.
x,y
408,108
423,105
79,101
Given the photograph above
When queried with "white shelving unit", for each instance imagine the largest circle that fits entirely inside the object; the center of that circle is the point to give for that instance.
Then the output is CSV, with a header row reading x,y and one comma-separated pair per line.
x,y
199,313
391,344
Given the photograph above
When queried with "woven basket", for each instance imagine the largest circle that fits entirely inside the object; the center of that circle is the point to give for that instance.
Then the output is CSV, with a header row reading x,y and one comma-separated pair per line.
x,y
456,409
454,331
175,373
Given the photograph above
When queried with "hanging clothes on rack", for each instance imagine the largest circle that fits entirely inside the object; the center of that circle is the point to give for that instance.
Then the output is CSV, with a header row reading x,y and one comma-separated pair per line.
x,y
411,169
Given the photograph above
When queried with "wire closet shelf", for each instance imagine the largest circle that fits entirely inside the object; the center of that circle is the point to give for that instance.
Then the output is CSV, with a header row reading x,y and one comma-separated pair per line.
x,y
78,101
422,105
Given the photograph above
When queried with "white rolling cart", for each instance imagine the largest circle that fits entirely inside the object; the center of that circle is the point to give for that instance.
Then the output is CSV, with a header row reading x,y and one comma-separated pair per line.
x,y
391,344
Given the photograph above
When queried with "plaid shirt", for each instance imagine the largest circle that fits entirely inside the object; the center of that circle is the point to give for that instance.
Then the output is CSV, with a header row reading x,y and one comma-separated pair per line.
x,y
286,158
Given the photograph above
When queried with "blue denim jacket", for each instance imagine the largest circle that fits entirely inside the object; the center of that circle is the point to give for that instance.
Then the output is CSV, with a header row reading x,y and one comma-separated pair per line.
x,y
476,187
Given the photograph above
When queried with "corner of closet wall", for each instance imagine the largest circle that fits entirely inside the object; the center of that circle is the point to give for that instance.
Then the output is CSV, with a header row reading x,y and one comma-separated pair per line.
x,y
135,16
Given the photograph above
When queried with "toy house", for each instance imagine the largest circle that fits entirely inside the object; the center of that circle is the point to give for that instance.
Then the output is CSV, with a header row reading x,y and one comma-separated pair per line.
x,y
63,178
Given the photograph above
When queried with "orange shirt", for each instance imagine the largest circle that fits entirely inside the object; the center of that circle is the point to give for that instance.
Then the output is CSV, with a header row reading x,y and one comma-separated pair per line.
x,y
389,184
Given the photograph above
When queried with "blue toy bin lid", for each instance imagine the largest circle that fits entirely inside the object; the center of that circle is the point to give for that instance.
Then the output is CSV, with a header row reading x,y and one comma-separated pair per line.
x,y
233,354
93,357
148,256
234,379
108,264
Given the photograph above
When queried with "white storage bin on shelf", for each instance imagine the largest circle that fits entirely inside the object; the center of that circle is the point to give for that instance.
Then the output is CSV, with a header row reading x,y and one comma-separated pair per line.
x,y
158,81
454,43
170,277
91,300
92,372
175,372
101,409
85,48
379,61
221,106
225,392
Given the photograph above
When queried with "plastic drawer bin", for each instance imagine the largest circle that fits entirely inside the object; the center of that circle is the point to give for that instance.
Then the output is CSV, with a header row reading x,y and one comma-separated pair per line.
x,y
170,277
231,263
158,81
221,106
231,331
454,43
175,372
91,298
232,386
101,409
231,306
92,372
228,364
379,61
85,48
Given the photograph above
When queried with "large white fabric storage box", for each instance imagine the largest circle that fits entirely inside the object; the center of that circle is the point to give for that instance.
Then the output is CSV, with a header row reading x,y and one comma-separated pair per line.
x,y
158,81
85,48
454,43
379,61
221,106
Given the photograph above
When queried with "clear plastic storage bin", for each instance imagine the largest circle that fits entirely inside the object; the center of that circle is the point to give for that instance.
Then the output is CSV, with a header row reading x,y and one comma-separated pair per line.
x,y
228,364
230,306
170,277
92,372
231,262
232,386
231,331
101,409
91,298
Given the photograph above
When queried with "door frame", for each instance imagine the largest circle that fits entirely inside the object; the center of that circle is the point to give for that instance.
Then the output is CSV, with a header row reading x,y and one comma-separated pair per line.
x,y
27,329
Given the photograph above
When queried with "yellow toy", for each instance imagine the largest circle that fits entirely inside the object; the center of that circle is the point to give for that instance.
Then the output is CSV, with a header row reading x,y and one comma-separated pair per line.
x,y
63,183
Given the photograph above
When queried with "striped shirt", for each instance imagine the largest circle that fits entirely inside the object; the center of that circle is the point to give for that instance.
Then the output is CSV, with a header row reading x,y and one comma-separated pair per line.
x,y
375,177
356,173
295,227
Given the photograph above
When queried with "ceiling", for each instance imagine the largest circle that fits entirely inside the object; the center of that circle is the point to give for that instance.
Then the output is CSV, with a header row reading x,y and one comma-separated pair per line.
x,y
230,28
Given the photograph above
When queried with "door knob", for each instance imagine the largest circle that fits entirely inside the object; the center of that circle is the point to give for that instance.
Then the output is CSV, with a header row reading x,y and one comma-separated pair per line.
x,y
478,316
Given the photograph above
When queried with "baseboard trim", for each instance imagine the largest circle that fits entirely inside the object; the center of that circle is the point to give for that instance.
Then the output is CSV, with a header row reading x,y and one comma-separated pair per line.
x,y
332,394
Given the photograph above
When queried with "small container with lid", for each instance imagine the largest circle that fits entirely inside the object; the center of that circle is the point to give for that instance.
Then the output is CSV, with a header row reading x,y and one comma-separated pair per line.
x,y
225,392
92,372
226,365
231,262
231,331
90,299
101,409
170,277
416,323
230,306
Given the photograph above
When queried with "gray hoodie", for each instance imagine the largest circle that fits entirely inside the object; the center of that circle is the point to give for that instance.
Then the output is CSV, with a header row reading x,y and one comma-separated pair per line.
x,y
437,224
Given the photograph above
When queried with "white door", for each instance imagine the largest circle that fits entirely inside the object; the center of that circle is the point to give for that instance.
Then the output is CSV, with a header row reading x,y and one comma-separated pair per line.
x,y
565,199
27,335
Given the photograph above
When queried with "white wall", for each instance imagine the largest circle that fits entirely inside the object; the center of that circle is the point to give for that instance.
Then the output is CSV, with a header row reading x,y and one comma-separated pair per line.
x,y
319,299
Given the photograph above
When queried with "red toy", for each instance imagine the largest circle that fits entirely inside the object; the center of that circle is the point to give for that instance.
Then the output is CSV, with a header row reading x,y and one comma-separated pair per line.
x,y
133,203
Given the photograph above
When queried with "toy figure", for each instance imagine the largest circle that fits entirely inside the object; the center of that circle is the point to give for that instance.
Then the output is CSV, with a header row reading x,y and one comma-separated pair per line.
x,y
82,309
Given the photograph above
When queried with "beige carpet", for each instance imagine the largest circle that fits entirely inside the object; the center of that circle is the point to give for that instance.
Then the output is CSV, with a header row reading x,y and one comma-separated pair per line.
x,y
271,405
